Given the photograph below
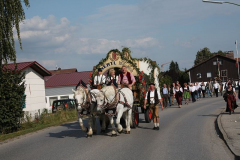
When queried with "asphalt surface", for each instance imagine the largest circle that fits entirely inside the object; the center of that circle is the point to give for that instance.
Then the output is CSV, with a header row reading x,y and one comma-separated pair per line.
x,y
187,133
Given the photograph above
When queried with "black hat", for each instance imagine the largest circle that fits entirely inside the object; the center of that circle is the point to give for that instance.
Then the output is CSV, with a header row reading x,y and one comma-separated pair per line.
x,y
99,69
151,84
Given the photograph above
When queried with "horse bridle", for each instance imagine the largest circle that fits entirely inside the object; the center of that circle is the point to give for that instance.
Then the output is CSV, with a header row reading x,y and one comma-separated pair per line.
x,y
84,104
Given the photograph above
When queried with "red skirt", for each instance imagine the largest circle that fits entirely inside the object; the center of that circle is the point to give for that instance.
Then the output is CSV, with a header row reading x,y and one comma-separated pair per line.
x,y
230,102
179,99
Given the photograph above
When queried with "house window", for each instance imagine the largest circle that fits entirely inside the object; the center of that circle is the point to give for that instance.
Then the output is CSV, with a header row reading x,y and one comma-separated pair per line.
x,y
209,74
199,75
64,97
215,62
220,62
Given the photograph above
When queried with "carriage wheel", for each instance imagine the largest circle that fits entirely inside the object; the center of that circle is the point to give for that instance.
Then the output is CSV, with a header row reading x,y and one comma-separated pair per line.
x,y
148,116
135,119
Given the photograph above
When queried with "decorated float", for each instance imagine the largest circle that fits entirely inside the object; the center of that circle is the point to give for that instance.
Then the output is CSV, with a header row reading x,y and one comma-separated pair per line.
x,y
144,70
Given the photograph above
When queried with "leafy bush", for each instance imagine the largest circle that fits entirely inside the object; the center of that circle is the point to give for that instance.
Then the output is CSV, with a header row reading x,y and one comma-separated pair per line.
x,y
12,99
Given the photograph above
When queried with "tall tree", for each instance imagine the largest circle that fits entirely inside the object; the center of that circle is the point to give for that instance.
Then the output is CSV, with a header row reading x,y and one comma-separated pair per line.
x,y
11,14
176,67
12,86
172,66
205,54
202,55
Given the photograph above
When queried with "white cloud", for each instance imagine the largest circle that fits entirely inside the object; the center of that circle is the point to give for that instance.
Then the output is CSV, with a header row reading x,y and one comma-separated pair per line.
x,y
64,38
149,28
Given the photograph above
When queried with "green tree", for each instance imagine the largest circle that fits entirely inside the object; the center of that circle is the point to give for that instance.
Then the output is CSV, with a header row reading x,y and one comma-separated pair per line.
x,y
12,87
205,54
165,80
11,14
202,55
176,67
172,66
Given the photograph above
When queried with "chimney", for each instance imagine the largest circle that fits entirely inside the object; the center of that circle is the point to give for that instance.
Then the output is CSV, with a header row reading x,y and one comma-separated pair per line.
x,y
230,54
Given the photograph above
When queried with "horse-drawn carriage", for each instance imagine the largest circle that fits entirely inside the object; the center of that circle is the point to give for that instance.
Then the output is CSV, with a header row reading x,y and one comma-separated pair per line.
x,y
115,101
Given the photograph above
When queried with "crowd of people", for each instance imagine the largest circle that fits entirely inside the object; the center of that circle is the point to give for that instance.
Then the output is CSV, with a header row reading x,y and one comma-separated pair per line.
x,y
189,92
192,92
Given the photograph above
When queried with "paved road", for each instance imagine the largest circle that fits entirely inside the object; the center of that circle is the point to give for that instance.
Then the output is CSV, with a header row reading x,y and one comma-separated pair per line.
x,y
186,133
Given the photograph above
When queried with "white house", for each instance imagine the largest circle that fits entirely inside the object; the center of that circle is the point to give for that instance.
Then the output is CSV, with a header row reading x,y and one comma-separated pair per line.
x,y
59,86
35,86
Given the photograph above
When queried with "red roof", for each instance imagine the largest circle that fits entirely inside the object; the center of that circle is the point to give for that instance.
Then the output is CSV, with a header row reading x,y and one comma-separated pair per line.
x,y
67,79
33,64
60,71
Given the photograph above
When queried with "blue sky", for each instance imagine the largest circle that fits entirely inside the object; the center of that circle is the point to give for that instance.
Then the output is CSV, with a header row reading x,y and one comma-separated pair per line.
x,y
78,33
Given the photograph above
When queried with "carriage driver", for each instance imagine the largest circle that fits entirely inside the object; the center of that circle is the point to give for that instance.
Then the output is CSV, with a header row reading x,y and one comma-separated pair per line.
x,y
153,98
99,79
126,78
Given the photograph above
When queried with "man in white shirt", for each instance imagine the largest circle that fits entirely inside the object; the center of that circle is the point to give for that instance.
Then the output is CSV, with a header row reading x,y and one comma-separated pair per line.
x,y
165,95
99,79
153,98
196,93
192,90
216,87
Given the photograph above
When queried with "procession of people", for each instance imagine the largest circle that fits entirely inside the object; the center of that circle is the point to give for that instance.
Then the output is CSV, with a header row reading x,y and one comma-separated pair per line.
x,y
167,95
193,92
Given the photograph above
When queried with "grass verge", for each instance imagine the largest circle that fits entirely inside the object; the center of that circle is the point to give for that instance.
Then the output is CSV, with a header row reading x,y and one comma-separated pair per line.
x,y
45,120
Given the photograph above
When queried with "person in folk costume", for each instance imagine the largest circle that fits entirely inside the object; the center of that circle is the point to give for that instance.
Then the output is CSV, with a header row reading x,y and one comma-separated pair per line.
x,y
170,95
165,94
112,78
173,92
238,88
192,90
226,84
203,89
178,95
153,98
126,78
231,99
99,79
210,88
216,87
186,93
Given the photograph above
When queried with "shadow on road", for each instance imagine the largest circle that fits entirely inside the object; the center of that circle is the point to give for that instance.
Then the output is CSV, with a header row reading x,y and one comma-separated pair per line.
x,y
68,133
209,115
72,130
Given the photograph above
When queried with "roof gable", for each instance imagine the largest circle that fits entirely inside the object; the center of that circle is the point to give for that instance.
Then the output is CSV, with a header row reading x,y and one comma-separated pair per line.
x,y
32,64
224,57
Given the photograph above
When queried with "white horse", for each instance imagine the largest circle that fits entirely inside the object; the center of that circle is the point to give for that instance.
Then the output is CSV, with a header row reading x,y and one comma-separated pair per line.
x,y
121,100
86,106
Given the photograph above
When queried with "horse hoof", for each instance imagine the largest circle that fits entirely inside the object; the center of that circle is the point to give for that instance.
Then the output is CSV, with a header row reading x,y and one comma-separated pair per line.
x,y
127,132
89,136
114,135
120,131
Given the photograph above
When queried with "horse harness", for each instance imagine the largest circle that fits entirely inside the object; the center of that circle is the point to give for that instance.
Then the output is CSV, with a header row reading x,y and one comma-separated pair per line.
x,y
85,105
115,101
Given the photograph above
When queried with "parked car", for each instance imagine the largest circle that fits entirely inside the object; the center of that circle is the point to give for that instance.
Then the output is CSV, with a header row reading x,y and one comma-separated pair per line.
x,y
63,104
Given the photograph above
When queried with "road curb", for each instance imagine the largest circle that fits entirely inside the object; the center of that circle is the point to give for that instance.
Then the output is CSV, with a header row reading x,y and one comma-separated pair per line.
x,y
225,136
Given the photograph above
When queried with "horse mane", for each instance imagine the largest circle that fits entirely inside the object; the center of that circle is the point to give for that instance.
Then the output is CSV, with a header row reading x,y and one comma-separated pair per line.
x,y
80,90
108,91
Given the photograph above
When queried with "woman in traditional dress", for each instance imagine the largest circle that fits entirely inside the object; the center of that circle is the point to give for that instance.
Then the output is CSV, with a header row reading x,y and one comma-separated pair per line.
x,y
178,95
112,78
186,94
203,89
231,99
